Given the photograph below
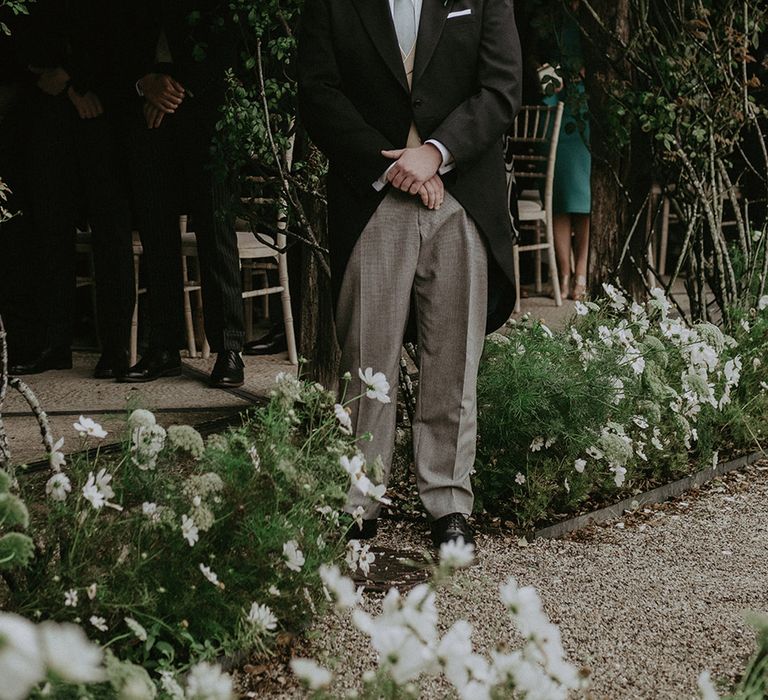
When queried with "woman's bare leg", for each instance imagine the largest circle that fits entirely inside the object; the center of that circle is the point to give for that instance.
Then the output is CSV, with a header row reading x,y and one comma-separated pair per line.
x,y
580,253
562,226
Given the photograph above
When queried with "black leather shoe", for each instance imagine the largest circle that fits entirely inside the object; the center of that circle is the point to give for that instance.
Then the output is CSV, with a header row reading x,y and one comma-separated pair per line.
x,y
368,531
270,344
228,372
111,365
50,358
153,365
450,528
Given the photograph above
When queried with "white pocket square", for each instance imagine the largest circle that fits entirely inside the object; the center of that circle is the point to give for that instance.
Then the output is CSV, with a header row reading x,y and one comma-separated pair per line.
x,y
459,13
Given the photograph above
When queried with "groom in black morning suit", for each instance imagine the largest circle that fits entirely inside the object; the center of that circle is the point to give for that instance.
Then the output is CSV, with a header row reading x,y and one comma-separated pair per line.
x,y
410,99
174,58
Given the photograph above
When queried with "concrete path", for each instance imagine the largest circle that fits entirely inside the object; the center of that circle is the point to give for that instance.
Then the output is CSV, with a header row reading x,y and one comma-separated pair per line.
x,y
646,603
66,394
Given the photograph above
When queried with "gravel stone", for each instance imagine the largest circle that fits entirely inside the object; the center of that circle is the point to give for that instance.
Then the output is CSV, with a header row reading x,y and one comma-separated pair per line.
x,y
645,603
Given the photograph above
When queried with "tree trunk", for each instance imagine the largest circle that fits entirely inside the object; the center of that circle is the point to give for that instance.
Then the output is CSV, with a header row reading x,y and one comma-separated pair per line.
x,y
317,332
618,189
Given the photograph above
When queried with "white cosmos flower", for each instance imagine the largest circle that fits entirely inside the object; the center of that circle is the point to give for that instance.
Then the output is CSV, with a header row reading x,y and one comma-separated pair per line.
x,y
579,465
58,486
136,628
619,474
262,618
92,494
457,554
21,665
581,309
102,481
91,591
342,415
294,557
56,458
87,427
209,574
311,673
341,587
70,598
69,654
707,690
377,386
762,303
208,682
353,466
189,530
520,478
365,559
99,623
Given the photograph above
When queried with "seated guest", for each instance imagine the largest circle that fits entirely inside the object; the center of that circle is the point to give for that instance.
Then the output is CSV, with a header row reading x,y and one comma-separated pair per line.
x,y
66,137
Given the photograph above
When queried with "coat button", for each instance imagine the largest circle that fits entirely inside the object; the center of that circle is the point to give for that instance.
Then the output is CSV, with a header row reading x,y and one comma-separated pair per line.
x,y
418,102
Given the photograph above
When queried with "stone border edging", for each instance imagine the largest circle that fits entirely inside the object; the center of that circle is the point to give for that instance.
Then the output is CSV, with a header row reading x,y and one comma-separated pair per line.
x,y
657,495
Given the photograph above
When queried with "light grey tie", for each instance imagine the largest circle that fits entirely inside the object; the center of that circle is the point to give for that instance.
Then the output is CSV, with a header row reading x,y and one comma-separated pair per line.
x,y
405,24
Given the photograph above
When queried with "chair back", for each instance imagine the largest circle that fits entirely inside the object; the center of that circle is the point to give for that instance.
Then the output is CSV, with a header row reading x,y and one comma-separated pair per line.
x,y
531,151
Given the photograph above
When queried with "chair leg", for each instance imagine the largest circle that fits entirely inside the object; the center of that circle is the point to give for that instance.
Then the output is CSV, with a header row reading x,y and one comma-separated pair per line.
x,y
285,297
664,237
247,272
134,340
516,264
189,326
553,263
537,258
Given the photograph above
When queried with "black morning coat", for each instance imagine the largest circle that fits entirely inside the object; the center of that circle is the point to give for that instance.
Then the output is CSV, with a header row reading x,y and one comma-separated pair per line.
x,y
354,102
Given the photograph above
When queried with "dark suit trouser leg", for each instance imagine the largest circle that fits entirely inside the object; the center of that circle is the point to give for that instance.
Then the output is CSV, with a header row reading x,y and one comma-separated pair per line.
x,y
156,179
208,196
50,177
110,220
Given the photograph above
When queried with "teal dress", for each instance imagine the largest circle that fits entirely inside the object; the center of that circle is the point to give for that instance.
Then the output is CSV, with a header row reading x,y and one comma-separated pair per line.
x,y
572,192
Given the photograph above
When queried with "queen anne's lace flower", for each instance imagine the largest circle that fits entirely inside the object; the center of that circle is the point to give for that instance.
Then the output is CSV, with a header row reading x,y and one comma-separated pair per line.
x,y
186,438
147,442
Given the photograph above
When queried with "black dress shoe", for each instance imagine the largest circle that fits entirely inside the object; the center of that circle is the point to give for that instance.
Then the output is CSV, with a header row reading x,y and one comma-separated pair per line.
x,y
450,528
111,365
270,344
50,358
153,365
368,531
228,372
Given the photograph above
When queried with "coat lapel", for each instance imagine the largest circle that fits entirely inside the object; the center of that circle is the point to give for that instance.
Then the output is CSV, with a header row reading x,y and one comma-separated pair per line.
x,y
377,19
433,16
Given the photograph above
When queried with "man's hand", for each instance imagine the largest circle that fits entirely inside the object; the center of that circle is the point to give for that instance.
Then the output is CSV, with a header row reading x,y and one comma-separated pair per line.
x,y
162,91
52,81
88,105
153,115
414,167
432,192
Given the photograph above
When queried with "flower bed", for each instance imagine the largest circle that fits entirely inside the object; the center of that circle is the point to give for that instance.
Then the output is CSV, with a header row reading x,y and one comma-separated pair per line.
x,y
622,399
177,551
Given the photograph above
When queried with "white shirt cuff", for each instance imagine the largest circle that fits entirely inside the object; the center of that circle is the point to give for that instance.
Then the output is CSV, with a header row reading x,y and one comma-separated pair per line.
x,y
382,182
448,162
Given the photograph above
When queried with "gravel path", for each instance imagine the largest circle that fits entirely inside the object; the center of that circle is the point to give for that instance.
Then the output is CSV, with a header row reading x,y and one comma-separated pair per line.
x,y
646,603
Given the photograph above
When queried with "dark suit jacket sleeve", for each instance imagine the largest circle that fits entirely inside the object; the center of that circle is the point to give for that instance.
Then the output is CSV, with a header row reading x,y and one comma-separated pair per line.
x,y
480,122
332,120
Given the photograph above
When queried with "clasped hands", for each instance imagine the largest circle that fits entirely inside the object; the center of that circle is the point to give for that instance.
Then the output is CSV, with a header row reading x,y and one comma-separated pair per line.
x,y
54,81
162,95
415,172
